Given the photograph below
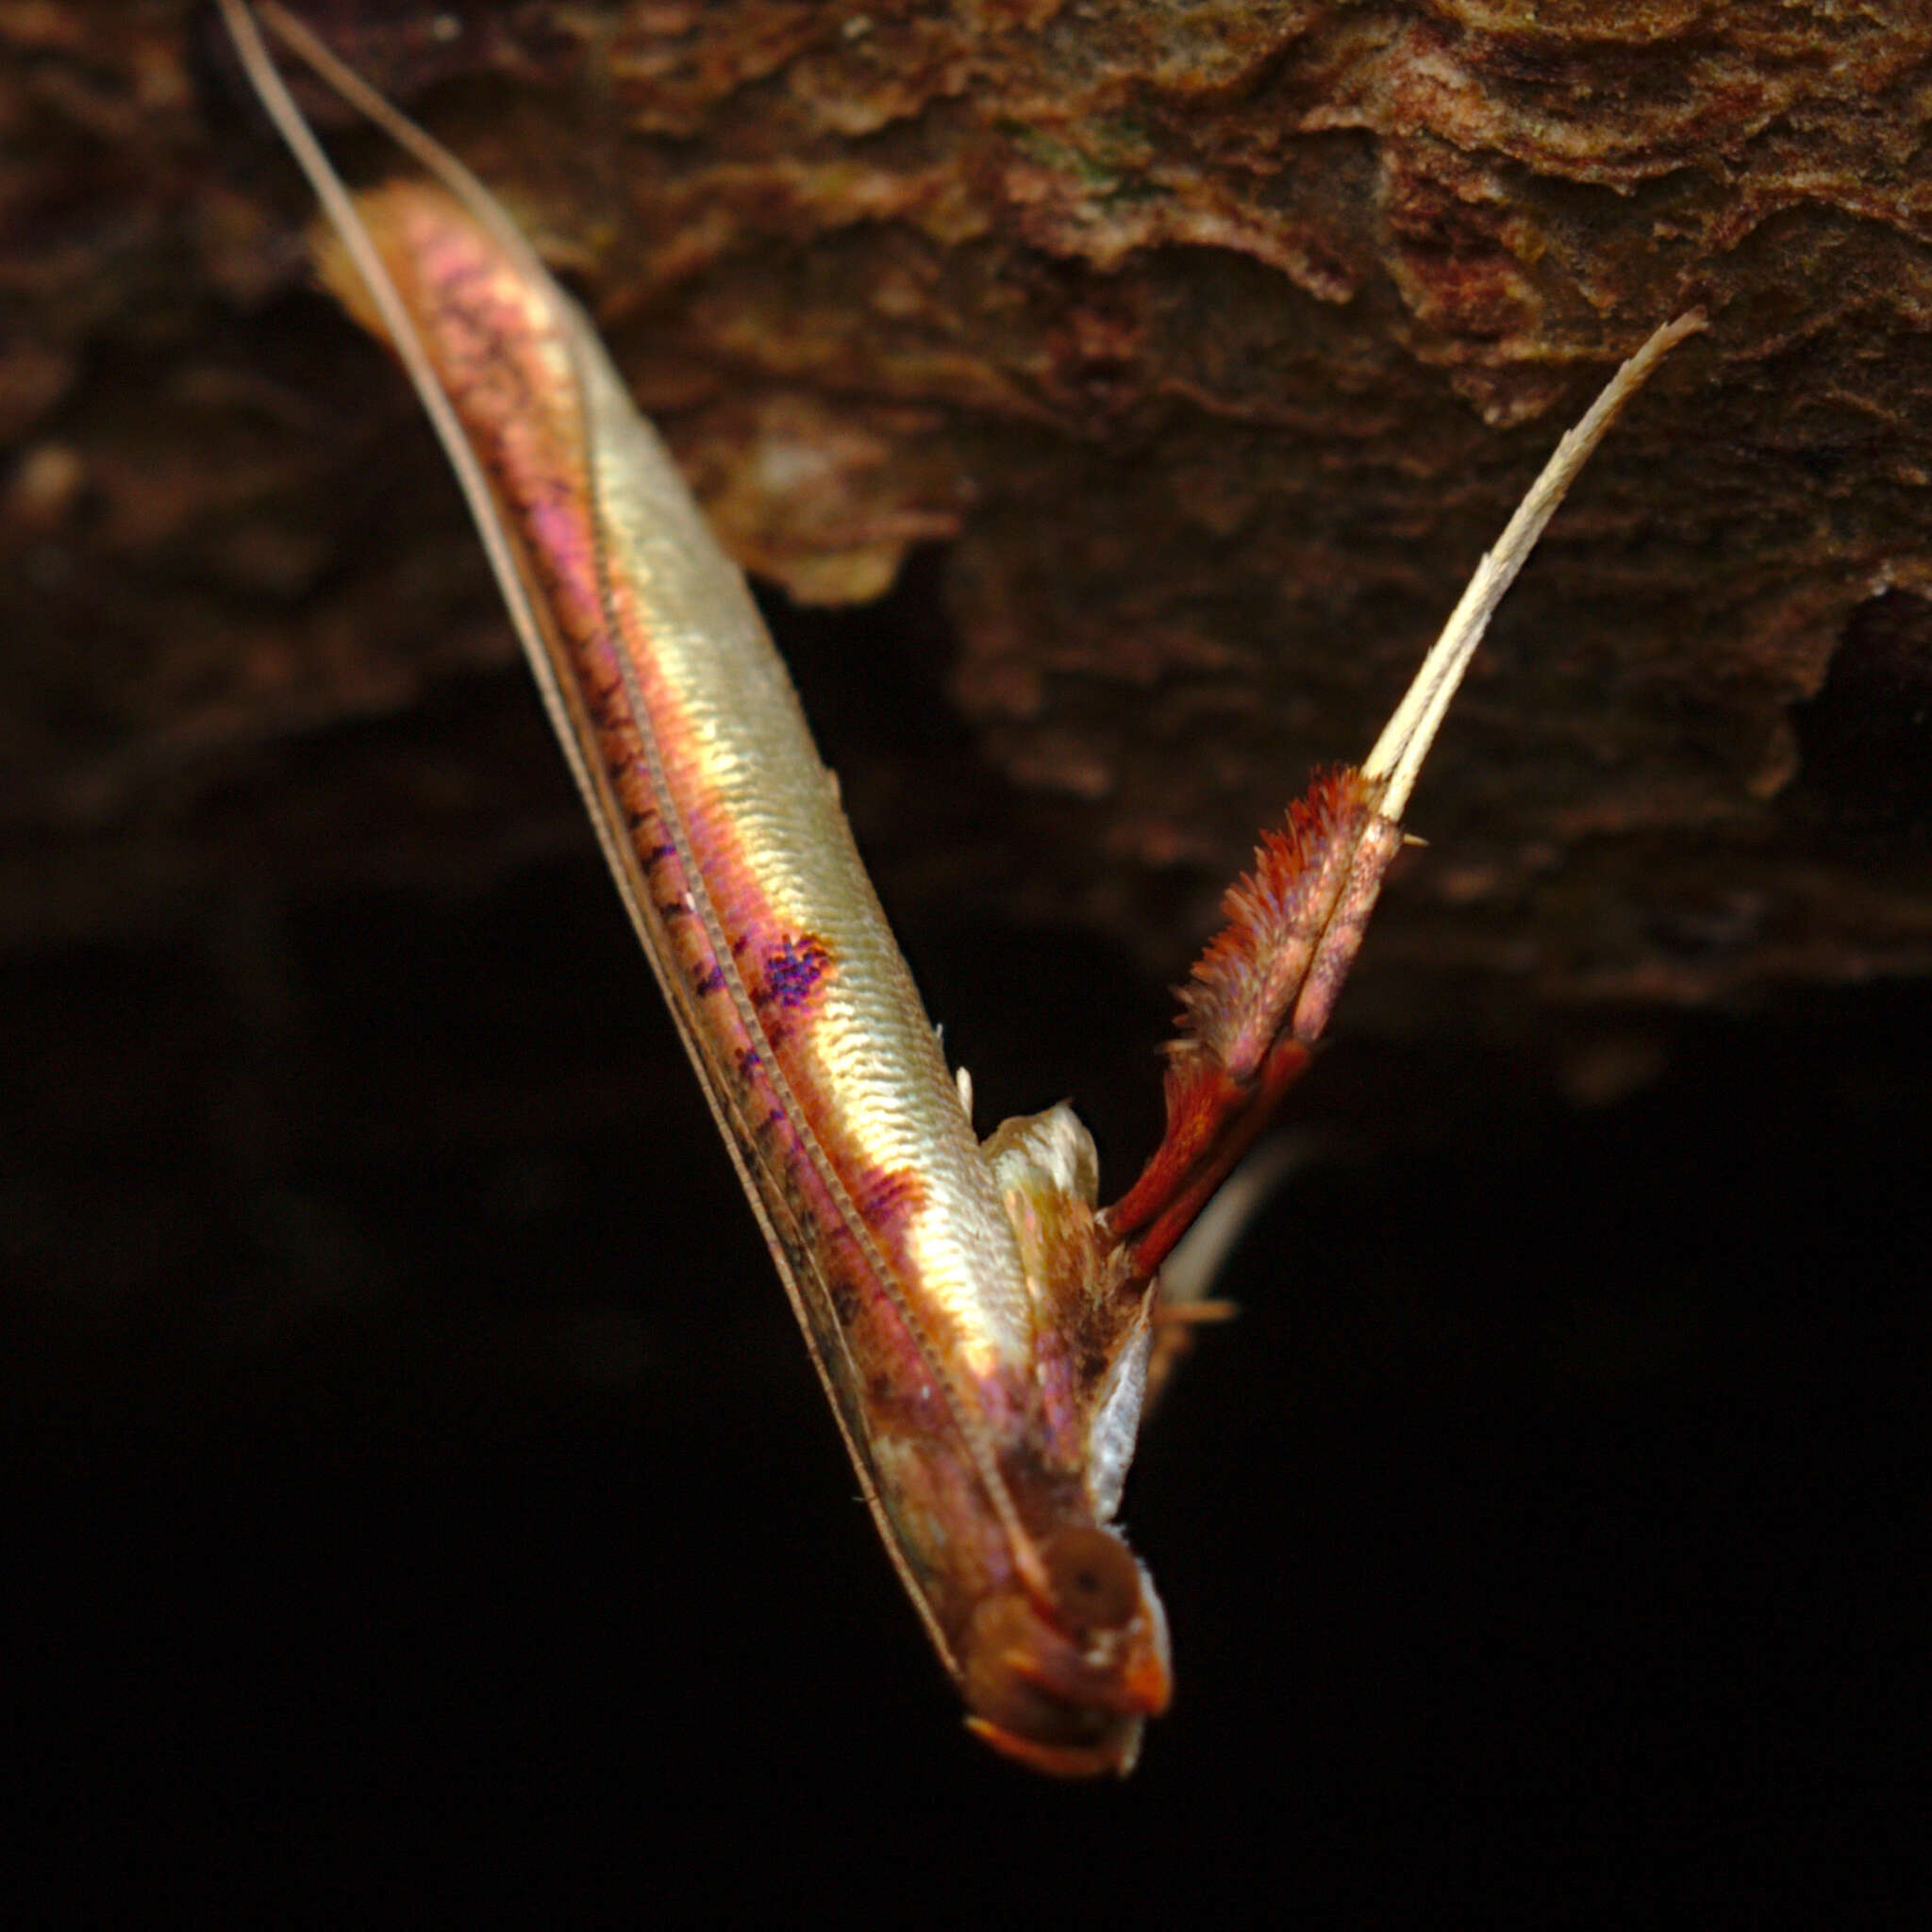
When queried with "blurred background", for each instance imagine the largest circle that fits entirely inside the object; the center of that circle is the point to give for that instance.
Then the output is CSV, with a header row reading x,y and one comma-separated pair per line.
x,y
417,1494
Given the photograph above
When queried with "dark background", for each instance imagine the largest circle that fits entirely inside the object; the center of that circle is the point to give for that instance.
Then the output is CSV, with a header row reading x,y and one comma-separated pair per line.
x,y
423,1500
417,1498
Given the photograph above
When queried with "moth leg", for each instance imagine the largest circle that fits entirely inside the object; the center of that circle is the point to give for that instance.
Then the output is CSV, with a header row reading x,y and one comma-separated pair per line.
x,y
1260,995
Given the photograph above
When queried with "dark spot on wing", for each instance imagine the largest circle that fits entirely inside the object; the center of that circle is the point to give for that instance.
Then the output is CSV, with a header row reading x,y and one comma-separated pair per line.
x,y
885,1200
794,969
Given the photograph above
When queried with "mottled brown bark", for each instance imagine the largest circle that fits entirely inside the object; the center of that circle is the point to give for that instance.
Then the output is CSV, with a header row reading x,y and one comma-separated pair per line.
x,y
1212,342
426,1462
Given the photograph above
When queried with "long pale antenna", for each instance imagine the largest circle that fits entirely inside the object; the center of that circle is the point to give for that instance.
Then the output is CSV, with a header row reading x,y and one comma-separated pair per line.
x,y
429,154
1261,993
397,322
1397,758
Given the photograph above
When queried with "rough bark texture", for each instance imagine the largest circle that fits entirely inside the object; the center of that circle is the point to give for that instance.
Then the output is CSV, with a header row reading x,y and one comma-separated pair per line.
x,y
1213,341
425,1457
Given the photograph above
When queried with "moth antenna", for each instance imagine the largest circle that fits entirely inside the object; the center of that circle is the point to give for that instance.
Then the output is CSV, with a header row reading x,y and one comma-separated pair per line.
x,y
1397,757
1260,995
339,206
417,142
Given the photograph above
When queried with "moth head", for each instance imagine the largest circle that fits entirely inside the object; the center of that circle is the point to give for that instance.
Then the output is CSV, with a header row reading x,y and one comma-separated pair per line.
x,y
1063,1675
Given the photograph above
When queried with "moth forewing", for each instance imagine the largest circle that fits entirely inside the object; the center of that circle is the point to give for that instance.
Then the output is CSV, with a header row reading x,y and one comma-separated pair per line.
x,y
723,830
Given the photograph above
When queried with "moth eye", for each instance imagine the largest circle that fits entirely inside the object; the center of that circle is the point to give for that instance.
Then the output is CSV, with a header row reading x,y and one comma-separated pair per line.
x,y
1096,1582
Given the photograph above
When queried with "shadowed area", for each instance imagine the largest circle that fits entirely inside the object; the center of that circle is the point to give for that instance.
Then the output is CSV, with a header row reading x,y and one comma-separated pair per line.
x,y
412,1455
411,1461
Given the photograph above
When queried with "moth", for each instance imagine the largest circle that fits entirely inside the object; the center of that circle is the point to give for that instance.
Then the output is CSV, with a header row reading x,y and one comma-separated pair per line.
x,y
984,1330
